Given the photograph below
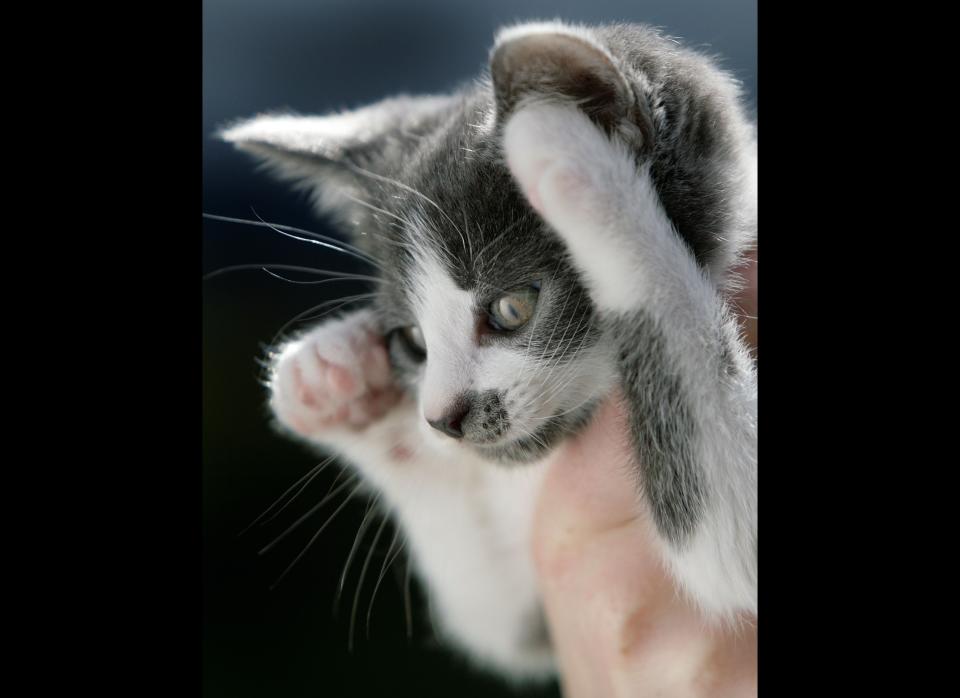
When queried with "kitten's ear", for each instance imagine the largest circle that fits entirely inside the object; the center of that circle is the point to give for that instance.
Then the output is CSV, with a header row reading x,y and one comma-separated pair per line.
x,y
339,157
557,61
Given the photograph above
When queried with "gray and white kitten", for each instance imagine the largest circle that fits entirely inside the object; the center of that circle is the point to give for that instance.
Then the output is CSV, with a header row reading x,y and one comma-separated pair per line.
x,y
566,225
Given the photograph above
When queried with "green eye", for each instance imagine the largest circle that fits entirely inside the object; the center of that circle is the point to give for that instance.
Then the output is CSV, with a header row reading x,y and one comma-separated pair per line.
x,y
513,310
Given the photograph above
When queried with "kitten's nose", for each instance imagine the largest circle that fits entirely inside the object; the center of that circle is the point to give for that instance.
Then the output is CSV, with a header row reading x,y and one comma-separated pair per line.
x,y
450,423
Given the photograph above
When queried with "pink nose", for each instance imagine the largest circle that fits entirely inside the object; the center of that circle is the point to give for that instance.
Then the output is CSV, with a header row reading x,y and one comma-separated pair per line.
x,y
450,423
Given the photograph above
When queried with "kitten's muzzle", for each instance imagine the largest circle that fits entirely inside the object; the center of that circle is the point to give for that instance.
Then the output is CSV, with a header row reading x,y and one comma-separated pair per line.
x,y
476,417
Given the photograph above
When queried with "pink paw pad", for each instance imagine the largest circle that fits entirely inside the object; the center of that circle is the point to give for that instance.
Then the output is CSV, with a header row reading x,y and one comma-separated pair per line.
x,y
342,381
338,376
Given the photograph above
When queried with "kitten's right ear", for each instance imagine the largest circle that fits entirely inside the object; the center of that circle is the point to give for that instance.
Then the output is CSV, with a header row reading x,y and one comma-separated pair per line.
x,y
339,157
554,60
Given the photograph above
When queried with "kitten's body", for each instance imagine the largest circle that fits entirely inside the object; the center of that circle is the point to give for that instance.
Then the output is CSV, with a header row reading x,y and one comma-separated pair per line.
x,y
626,197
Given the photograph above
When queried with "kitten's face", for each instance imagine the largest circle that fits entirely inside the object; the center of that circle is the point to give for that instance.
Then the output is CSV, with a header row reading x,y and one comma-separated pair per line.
x,y
487,323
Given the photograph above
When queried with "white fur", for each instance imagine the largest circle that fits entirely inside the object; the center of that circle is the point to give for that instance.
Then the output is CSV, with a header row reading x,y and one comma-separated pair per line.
x,y
446,317
467,524
607,211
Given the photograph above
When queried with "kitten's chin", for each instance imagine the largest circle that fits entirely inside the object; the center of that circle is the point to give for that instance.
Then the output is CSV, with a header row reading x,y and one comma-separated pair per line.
x,y
524,450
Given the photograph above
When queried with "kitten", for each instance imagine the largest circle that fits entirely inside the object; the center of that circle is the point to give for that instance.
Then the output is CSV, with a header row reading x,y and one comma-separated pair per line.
x,y
565,226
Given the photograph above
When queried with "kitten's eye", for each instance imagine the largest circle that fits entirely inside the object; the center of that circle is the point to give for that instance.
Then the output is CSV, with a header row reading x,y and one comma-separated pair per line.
x,y
514,310
412,340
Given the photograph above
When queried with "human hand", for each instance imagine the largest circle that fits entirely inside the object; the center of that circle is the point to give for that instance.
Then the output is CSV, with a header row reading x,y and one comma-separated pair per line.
x,y
619,625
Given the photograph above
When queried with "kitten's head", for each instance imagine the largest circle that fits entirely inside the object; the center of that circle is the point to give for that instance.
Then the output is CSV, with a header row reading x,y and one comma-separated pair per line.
x,y
486,320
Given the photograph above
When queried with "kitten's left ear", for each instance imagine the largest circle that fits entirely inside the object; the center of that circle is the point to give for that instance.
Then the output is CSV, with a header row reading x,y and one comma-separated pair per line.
x,y
339,157
553,61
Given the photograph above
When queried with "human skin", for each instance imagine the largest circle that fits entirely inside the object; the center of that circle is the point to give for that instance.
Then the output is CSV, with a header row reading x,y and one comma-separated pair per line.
x,y
618,622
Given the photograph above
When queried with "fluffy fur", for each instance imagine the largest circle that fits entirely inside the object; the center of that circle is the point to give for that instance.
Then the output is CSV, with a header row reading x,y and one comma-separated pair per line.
x,y
613,172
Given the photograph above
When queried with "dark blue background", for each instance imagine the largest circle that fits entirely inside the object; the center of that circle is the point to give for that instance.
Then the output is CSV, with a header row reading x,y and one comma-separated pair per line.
x,y
317,56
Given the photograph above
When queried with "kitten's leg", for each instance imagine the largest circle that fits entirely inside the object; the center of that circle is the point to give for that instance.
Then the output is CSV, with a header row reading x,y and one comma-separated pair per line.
x,y
688,378
465,522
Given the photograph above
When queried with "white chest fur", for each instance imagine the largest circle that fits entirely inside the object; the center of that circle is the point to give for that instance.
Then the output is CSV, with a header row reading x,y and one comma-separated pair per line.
x,y
467,523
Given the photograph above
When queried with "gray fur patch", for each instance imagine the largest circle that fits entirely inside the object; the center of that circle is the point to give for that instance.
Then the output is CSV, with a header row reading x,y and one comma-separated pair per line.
x,y
662,427
487,419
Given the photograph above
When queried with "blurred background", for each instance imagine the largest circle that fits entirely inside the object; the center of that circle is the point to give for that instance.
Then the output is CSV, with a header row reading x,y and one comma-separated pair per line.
x,y
315,56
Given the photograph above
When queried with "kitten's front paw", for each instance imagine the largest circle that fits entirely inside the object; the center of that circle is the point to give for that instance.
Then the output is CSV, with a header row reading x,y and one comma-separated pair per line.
x,y
569,171
336,376
588,188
